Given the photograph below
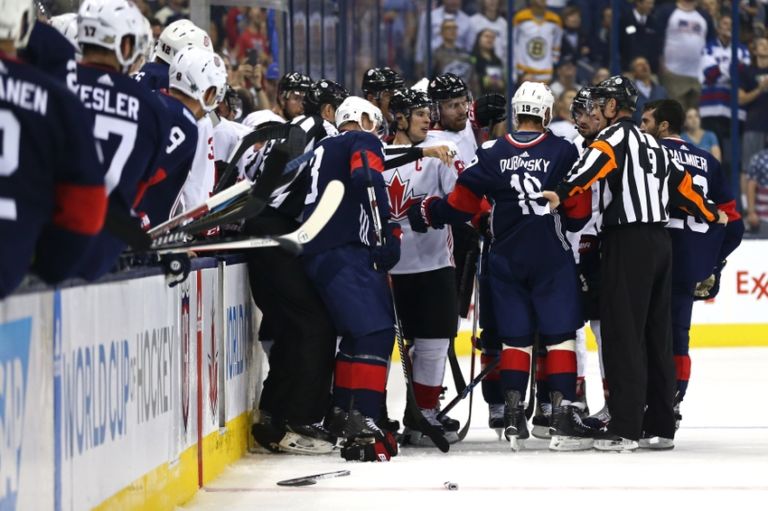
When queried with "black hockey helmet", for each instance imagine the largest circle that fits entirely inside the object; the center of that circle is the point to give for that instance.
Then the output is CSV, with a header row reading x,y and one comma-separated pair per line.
x,y
380,79
404,100
294,82
233,102
322,92
582,101
447,86
619,88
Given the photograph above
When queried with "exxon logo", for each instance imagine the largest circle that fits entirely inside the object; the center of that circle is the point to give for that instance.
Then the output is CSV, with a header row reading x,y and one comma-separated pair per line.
x,y
14,359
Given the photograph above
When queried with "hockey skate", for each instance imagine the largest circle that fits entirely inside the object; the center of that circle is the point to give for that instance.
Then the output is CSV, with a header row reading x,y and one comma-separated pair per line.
x,y
413,436
607,441
361,429
542,420
568,432
307,439
600,419
496,418
656,443
581,397
267,433
385,422
676,408
515,425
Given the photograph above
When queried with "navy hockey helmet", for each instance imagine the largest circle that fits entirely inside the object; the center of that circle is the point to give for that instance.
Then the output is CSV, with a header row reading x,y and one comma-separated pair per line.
x,y
380,79
447,86
582,101
294,82
323,92
619,88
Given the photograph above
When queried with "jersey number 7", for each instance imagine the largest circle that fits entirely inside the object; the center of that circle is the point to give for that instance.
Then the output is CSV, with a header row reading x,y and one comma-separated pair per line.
x,y
103,127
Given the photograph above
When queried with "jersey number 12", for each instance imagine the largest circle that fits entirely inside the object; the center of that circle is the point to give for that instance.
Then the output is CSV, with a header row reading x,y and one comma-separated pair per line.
x,y
10,130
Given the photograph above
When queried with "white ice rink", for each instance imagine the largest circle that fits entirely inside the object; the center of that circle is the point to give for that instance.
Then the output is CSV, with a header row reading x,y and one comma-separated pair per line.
x,y
720,460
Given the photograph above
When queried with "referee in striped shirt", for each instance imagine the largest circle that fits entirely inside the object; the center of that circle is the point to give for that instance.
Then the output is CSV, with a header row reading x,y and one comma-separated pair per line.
x,y
637,182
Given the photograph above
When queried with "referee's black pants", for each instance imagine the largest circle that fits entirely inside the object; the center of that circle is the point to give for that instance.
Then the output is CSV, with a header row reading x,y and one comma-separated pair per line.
x,y
298,385
636,326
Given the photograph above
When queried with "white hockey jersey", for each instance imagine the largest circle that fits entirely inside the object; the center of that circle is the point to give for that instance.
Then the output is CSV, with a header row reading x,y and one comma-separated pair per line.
x,y
199,184
408,184
592,226
464,140
536,44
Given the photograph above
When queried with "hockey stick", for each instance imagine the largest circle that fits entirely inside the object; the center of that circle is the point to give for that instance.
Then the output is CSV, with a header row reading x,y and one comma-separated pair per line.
x,y
468,391
312,479
326,208
532,389
458,376
410,403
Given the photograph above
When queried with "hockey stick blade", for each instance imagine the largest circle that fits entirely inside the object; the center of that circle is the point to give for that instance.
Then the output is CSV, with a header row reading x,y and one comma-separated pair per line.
x,y
312,479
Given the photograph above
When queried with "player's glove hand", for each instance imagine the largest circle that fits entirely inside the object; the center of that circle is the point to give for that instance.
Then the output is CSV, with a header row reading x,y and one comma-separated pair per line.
x,y
385,256
380,450
176,268
589,253
708,288
420,218
488,110
482,222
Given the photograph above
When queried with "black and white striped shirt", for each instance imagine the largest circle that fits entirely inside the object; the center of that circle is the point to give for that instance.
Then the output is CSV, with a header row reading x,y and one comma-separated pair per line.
x,y
637,179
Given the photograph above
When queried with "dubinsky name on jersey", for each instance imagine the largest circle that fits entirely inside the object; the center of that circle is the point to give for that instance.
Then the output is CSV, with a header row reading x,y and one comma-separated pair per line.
x,y
340,158
52,195
699,246
174,164
130,127
406,186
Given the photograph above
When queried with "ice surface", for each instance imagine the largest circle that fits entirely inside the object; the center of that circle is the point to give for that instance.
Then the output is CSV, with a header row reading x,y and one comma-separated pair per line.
x,y
720,460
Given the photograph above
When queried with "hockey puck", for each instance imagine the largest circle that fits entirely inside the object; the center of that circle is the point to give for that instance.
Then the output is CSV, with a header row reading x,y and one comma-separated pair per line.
x,y
451,485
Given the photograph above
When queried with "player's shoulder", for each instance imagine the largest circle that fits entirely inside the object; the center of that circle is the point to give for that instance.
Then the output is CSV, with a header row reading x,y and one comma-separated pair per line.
x,y
43,86
178,111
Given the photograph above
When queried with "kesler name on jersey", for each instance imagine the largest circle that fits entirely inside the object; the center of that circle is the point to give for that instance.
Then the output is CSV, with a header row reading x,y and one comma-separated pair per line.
x,y
109,102
26,95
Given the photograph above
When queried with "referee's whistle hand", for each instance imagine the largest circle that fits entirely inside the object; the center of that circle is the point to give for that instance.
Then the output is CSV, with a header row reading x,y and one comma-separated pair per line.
x,y
552,198
722,218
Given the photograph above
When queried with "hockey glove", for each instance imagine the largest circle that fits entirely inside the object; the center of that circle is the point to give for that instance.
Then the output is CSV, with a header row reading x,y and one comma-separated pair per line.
x,y
385,256
488,110
708,288
482,222
176,268
380,450
420,218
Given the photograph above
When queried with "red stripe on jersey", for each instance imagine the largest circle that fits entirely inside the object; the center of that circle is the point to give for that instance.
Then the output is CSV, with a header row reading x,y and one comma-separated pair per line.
x,y
369,376
541,368
80,208
515,360
342,376
683,367
729,208
579,206
157,177
464,200
485,361
561,361
374,162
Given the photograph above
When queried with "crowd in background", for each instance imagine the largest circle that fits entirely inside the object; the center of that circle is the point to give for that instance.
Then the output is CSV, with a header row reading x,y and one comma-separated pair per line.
x,y
671,49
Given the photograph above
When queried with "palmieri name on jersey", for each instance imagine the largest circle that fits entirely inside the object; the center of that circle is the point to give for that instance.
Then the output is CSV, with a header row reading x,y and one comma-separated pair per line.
x,y
26,95
523,162
109,102
684,158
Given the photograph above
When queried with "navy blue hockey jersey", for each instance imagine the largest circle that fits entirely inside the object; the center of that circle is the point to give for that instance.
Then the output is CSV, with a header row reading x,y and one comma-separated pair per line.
x,y
173,165
52,53
340,158
52,196
699,246
512,173
130,127
154,75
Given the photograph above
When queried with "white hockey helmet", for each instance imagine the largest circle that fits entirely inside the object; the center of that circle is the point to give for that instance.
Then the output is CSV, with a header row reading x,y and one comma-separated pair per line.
x,y
16,20
193,71
533,98
352,110
106,23
178,35
66,24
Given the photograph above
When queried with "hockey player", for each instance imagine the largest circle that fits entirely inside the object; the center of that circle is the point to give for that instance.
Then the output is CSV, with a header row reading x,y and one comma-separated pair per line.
x,y
127,118
173,38
699,249
347,263
532,275
424,279
197,81
291,90
52,195
379,83
47,51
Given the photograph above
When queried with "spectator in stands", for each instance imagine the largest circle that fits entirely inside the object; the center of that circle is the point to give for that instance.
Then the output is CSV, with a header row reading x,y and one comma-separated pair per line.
x,y
694,134
489,17
252,43
173,10
715,101
489,68
600,42
451,58
399,19
566,77
575,44
538,34
648,89
712,7
757,194
685,31
756,103
601,74
562,124
638,36
449,8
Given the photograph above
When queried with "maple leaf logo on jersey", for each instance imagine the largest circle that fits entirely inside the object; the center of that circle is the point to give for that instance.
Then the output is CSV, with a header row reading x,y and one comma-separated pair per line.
x,y
401,196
